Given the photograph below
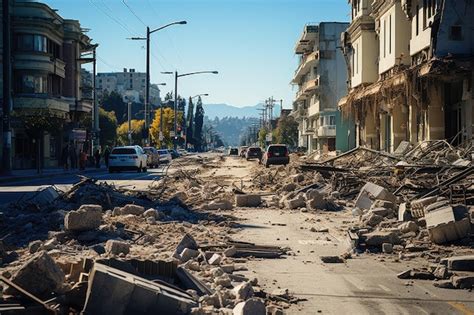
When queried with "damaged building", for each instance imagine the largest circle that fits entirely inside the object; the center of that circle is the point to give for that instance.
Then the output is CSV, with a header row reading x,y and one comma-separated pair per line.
x,y
410,69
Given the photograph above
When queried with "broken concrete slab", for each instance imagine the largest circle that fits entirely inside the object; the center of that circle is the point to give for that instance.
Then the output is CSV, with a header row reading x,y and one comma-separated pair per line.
x,y
289,187
87,217
243,291
377,238
248,200
215,259
40,276
459,263
463,281
371,219
253,306
186,242
116,247
129,209
188,254
222,204
113,291
444,227
371,192
295,203
408,226
332,259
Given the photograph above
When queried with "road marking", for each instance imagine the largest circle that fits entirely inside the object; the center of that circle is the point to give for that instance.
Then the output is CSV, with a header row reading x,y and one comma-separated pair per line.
x,y
422,309
385,288
462,308
354,282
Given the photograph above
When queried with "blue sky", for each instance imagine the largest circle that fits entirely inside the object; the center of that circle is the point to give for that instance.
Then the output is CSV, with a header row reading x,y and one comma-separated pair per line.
x,y
250,42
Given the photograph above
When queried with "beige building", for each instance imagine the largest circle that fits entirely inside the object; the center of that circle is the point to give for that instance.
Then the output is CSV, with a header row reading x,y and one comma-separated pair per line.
x,y
410,64
48,105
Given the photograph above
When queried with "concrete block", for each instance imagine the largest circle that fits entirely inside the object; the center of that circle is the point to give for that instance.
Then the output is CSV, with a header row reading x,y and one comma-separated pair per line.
x,y
243,291
295,203
222,204
407,227
115,247
459,263
151,213
188,254
113,291
383,212
215,259
87,217
132,209
377,238
186,242
253,306
371,192
289,187
387,248
40,276
248,200
372,219
443,227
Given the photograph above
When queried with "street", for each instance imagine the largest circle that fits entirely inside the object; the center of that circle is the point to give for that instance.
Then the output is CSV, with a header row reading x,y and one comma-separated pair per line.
x,y
13,192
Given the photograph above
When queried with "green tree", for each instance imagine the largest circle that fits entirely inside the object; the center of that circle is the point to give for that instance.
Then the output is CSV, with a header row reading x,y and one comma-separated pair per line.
x,y
108,127
198,124
113,102
190,122
262,135
287,131
136,130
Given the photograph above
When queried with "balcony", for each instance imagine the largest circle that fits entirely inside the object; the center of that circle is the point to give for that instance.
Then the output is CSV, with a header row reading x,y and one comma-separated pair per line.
x,y
307,62
35,102
40,62
82,105
307,40
311,85
327,131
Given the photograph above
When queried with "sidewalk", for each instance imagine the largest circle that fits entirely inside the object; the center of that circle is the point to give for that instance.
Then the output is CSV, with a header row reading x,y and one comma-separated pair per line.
x,y
21,175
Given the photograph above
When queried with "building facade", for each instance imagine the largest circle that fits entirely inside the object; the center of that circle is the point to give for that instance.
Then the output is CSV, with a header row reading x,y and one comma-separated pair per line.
x,y
127,80
321,79
48,105
410,64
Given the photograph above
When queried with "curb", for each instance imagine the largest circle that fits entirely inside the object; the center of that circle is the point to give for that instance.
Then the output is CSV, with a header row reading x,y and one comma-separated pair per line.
x,y
13,179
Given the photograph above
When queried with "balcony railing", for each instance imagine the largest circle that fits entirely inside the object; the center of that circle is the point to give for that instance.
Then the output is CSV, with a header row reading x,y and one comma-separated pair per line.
x,y
306,62
327,131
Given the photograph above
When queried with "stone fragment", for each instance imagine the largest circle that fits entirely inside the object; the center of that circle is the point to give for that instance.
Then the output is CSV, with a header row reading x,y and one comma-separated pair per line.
x,y
186,242
222,204
151,220
243,291
315,200
40,276
297,178
151,213
387,248
253,306
116,247
377,238
383,212
447,224
229,252
188,254
248,200
409,226
132,209
87,217
297,202
372,219
289,187
371,192
215,259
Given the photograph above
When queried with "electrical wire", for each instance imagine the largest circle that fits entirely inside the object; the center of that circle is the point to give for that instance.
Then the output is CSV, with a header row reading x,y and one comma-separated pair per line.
x,y
122,25
133,12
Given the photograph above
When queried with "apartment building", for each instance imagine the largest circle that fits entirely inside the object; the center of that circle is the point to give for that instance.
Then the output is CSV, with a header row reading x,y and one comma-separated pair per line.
x,y
321,79
127,80
48,105
411,71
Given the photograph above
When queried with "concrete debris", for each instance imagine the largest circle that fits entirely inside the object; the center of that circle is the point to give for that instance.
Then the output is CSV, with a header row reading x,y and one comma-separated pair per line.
x,y
115,247
220,205
253,306
87,217
243,291
295,203
129,209
248,200
332,259
447,224
215,259
40,275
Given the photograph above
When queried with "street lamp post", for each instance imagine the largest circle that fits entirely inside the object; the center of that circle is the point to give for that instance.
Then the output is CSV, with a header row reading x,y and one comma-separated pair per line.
x,y
175,105
147,86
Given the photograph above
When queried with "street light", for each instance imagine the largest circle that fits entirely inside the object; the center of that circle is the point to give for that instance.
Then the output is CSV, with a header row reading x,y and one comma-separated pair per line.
x,y
199,95
147,88
176,76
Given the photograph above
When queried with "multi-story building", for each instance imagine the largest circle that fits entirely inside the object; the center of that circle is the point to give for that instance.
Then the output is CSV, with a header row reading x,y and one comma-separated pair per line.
x,y
46,70
321,78
121,82
410,64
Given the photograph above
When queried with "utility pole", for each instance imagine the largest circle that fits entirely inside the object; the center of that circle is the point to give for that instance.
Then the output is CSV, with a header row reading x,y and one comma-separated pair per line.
x,y
95,119
147,86
175,109
7,97
129,112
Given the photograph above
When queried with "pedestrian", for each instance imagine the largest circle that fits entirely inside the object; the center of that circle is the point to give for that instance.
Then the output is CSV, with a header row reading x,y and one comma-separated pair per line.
x,y
97,158
82,160
106,156
64,157
72,156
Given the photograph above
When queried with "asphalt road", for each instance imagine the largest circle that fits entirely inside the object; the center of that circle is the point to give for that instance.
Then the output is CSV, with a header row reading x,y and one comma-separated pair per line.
x,y
13,192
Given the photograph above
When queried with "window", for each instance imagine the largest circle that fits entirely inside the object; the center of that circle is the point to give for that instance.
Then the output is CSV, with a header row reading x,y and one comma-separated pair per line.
x,y
332,120
417,20
357,58
390,34
31,84
30,42
456,32
131,83
384,38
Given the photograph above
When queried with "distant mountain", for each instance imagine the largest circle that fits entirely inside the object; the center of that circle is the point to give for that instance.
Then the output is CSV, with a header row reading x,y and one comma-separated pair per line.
x,y
225,110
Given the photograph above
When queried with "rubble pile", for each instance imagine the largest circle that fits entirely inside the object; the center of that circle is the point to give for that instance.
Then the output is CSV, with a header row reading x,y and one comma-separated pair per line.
x,y
97,248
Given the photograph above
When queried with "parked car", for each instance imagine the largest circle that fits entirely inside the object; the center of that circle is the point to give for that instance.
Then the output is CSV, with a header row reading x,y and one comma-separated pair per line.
x,y
242,151
165,156
233,151
174,154
127,158
254,153
153,159
276,154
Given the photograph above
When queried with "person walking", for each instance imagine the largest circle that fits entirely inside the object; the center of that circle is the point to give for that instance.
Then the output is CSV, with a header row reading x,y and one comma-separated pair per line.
x,y
106,156
72,156
65,156
82,160
97,157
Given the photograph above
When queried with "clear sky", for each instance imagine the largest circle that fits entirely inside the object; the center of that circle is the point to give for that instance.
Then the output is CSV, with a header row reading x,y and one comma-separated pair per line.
x,y
250,42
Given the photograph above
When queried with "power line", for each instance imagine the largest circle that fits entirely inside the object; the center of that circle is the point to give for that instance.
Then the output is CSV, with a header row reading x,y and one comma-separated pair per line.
x,y
133,12
122,25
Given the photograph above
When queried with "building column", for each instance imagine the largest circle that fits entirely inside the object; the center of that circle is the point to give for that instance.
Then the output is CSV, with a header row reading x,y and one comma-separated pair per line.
x,y
369,132
399,125
435,113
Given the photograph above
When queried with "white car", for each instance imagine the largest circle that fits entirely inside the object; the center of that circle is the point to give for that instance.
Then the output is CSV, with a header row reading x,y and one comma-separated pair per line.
x,y
127,158
165,156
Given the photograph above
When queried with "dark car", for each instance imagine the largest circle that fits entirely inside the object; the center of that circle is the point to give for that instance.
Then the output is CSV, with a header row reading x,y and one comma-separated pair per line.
x,y
276,154
253,153
233,151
